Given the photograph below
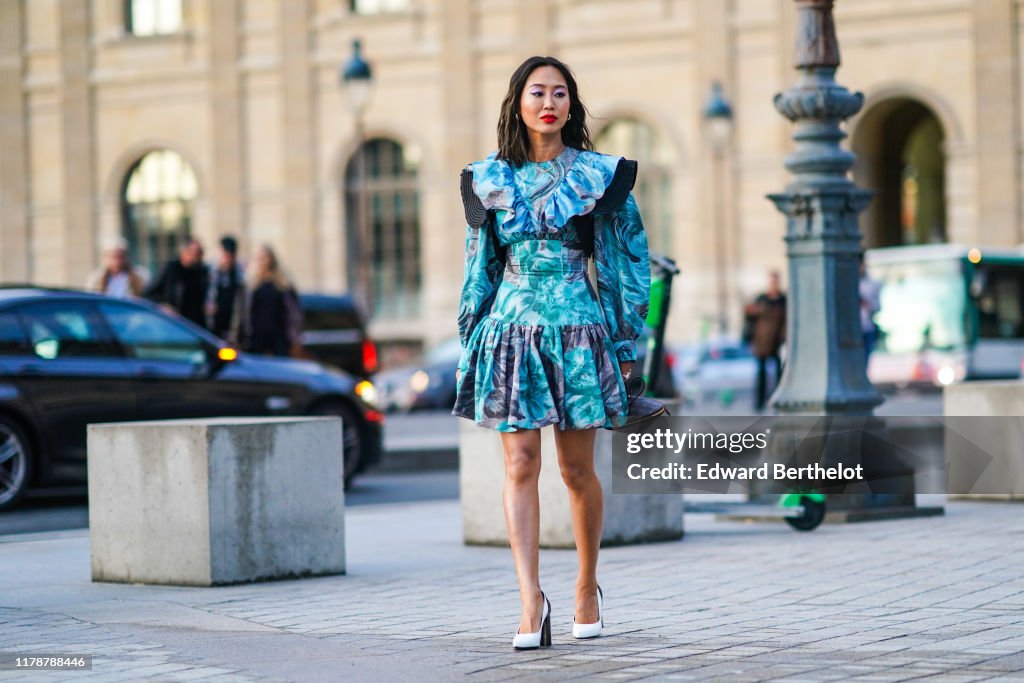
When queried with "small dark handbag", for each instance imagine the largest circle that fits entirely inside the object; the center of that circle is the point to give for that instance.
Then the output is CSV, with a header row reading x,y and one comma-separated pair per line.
x,y
642,409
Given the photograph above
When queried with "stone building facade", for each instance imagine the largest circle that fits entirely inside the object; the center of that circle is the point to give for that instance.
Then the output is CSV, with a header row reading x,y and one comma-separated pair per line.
x,y
152,119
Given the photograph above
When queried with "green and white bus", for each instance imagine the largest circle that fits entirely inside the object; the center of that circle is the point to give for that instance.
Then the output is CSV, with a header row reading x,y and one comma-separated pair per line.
x,y
948,313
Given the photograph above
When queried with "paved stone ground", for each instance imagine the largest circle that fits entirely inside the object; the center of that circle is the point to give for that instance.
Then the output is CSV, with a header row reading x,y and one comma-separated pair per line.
x,y
938,599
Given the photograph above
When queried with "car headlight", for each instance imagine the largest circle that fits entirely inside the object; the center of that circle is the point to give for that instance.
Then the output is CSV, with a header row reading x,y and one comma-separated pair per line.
x,y
419,381
366,391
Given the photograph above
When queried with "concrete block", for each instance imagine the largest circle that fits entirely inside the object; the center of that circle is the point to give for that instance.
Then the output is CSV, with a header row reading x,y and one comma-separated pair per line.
x,y
628,518
996,398
1003,479
216,501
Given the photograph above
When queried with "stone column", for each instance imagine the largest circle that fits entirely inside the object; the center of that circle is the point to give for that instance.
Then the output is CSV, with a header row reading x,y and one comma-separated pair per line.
x,y
77,142
996,66
227,179
461,121
15,264
301,245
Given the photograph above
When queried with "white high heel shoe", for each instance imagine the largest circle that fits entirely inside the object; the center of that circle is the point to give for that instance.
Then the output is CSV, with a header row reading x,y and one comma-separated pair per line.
x,y
590,630
542,638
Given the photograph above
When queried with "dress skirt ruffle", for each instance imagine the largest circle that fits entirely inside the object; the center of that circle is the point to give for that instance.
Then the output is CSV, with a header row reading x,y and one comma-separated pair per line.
x,y
543,356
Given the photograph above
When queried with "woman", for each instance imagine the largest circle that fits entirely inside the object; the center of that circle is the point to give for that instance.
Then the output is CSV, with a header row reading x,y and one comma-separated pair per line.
x,y
118,277
539,346
273,320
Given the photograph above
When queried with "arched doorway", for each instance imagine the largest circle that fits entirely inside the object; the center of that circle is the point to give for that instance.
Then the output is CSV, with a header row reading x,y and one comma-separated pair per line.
x,y
383,229
899,144
634,139
156,206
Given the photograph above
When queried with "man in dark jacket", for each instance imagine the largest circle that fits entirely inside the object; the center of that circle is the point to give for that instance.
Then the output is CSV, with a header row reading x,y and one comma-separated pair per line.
x,y
225,303
768,316
183,283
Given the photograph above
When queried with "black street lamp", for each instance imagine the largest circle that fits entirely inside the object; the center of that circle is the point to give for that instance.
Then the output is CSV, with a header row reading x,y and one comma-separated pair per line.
x,y
825,367
718,122
357,79
357,82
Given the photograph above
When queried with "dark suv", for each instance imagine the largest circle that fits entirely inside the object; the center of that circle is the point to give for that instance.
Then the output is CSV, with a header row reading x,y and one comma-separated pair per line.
x,y
68,359
334,332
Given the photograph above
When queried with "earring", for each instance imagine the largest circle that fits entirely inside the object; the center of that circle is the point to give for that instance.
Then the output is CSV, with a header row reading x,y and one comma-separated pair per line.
x,y
569,117
517,117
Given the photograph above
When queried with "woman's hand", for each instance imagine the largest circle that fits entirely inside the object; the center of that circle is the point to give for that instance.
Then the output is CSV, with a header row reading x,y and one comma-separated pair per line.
x,y
626,368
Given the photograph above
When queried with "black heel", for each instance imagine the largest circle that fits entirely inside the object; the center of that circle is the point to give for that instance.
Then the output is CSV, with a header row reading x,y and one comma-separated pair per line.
x,y
545,629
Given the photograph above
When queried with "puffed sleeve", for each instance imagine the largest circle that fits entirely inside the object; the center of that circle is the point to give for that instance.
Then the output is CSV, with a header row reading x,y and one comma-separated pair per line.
x,y
482,275
623,275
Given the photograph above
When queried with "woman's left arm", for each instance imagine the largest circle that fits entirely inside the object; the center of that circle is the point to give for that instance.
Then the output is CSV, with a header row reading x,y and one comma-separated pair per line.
x,y
623,275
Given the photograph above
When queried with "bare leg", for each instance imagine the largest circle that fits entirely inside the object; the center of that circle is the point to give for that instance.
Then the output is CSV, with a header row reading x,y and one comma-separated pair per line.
x,y
522,517
576,461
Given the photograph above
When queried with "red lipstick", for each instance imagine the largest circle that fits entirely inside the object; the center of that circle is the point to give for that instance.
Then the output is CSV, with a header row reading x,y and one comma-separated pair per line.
x,y
549,118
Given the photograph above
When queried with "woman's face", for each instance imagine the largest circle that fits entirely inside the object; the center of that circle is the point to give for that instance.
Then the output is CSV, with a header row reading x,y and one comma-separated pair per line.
x,y
117,260
544,105
261,259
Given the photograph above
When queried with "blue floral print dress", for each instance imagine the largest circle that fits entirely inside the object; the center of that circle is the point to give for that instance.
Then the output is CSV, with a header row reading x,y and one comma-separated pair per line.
x,y
539,346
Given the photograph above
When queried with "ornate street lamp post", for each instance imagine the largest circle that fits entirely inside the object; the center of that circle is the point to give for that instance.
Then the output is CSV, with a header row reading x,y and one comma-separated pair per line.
x,y
825,370
718,121
357,82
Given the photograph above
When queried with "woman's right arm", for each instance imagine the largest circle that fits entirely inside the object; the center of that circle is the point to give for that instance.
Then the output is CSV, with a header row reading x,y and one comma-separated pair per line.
x,y
482,275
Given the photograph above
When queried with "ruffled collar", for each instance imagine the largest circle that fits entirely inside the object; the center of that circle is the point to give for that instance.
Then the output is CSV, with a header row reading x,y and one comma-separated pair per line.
x,y
586,179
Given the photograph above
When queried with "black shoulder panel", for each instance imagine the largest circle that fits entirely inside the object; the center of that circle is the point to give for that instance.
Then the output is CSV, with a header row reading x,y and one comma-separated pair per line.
x,y
585,232
476,215
618,189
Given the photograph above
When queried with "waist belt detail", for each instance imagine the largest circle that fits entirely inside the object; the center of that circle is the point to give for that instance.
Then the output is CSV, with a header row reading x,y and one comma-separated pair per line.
x,y
544,256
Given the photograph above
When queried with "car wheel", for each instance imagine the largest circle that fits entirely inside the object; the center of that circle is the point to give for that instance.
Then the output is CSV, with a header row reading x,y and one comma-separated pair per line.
x,y
351,440
15,463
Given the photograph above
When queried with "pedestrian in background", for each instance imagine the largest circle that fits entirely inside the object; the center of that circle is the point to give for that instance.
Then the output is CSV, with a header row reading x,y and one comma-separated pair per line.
x,y
272,319
870,292
183,283
767,314
117,276
225,304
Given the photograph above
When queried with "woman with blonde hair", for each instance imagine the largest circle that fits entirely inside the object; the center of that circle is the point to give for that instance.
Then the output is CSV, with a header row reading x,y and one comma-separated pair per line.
x,y
273,320
117,276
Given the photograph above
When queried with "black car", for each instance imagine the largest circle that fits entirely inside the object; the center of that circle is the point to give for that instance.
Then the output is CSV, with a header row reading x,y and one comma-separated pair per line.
x,y
334,333
68,359
429,385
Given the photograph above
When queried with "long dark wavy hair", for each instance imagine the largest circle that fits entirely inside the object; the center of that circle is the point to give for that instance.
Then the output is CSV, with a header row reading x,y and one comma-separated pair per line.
x,y
513,140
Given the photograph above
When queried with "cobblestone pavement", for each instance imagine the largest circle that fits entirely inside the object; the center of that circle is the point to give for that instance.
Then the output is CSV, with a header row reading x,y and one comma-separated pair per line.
x,y
937,598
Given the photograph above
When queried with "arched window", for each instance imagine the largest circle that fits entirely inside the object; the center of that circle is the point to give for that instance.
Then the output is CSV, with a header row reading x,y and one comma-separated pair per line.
x,y
378,6
899,144
152,17
383,228
159,193
653,190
